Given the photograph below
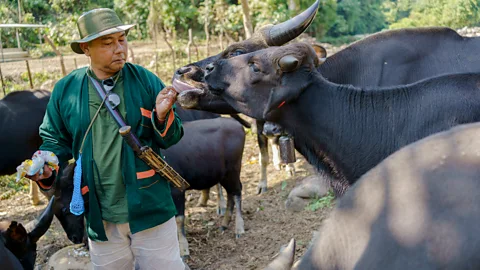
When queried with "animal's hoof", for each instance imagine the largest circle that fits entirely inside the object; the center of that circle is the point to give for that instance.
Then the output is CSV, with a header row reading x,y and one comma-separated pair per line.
x,y
277,167
35,202
261,190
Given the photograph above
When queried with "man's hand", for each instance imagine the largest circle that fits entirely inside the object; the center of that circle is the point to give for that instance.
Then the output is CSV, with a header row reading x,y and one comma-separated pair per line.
x,y
47,173
165,100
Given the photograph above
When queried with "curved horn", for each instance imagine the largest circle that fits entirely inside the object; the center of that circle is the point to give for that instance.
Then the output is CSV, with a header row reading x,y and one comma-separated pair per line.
x,y
284,32
43,222
288,63
284,261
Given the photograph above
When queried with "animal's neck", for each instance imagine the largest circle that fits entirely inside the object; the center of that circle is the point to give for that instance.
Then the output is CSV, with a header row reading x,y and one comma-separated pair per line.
x,y
341,126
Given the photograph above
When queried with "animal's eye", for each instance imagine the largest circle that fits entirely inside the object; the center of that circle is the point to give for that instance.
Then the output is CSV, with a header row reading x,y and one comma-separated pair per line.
x,y
237,52
254,67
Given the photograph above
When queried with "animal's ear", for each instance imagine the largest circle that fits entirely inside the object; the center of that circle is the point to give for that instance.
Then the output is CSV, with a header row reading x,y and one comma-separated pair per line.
x,y
43,223
321,52
16,232
291,87
288,63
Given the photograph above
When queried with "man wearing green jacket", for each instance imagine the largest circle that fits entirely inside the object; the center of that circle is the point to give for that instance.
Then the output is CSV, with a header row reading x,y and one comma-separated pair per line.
x,y
128,207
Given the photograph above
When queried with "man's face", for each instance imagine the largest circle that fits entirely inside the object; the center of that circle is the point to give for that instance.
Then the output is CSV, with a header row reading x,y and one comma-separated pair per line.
x,y
108,53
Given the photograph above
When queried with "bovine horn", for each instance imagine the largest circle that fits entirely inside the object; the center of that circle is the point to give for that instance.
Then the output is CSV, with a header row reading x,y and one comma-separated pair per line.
x,y
43,222
288,63
284,260
284,32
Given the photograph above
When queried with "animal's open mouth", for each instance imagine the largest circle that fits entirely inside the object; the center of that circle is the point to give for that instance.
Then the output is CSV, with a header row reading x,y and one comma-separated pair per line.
x,y
182,86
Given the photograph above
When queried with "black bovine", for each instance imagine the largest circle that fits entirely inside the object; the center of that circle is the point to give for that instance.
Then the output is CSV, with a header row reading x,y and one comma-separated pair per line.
x,y
22,113
209,153
389,58
22,243
190,77
348,128
417,209
73,225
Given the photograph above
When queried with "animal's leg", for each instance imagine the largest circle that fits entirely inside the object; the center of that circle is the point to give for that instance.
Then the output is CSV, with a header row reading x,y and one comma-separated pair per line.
x,y
204,197
290,169
182,238
34,193
263,145
276,154
221,204
228,214
239,224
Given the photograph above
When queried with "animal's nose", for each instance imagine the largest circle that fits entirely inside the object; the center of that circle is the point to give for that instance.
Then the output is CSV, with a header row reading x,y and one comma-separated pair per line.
x,y
183,70
209,68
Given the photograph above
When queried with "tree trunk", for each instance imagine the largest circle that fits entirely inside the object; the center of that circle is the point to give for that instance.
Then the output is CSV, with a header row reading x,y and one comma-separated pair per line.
x,y
247,22
189,44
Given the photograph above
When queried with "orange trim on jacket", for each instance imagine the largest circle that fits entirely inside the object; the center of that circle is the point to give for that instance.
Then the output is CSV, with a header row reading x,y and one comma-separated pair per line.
x,y
145,174
171,117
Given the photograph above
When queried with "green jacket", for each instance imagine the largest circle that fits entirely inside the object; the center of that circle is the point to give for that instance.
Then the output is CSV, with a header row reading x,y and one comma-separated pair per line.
x,y
66,121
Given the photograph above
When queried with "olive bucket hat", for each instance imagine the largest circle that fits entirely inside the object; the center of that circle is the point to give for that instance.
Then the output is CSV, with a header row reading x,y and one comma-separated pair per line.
x,y
97,23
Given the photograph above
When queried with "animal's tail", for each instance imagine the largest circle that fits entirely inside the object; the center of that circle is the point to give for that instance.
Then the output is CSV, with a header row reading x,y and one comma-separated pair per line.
x,y
242,121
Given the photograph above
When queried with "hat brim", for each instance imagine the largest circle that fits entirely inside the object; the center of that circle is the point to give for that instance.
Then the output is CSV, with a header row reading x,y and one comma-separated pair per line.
x,y
75,45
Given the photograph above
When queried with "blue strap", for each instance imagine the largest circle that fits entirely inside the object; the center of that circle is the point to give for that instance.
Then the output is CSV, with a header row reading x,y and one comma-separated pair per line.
x,y
76,205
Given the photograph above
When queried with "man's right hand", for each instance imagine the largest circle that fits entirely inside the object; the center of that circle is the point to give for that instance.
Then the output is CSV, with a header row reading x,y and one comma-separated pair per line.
x,y
47,173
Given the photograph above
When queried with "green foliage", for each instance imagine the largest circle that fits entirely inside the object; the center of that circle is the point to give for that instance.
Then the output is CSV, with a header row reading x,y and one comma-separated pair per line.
x,y
355,17
450,13
8,186
335,18
320,203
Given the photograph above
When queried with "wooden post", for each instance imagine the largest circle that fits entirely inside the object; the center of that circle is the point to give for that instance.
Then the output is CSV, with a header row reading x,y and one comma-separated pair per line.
x,y
1,45
19,21
221,39
164,34
3,83
40,36
189,44
57,52
156,63
205,26
29,75
196,47
75,62
132,54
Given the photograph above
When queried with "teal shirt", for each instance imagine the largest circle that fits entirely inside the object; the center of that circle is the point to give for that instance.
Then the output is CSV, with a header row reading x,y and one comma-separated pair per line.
x,y
107,156
66,120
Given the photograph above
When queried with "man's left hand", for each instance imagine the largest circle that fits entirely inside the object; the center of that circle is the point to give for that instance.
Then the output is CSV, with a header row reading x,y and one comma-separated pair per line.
x,y
165,100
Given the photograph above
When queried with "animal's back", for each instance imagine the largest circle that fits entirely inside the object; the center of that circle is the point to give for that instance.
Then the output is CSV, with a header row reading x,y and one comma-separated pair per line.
x,y
403,56
418,209
207,150
21,115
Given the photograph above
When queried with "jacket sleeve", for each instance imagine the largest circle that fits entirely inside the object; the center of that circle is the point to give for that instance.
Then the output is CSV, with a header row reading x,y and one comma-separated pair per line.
x,y
171,131
54,134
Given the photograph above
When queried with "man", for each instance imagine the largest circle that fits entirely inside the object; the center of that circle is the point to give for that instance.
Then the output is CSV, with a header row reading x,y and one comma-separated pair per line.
x,y
128,207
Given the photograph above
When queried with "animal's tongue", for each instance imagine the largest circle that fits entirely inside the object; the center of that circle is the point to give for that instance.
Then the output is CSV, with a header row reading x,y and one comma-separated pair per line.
x,y
181,86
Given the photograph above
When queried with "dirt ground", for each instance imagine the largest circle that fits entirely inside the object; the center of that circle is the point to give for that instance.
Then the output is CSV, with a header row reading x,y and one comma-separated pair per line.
x,y
268,224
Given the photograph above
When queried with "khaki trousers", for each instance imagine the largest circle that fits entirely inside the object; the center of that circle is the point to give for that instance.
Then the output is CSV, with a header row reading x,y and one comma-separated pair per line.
x,y
155,248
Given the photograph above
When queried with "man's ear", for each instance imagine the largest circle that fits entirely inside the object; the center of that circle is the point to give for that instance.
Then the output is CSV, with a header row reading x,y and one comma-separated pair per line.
x,y
85,49
292,86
